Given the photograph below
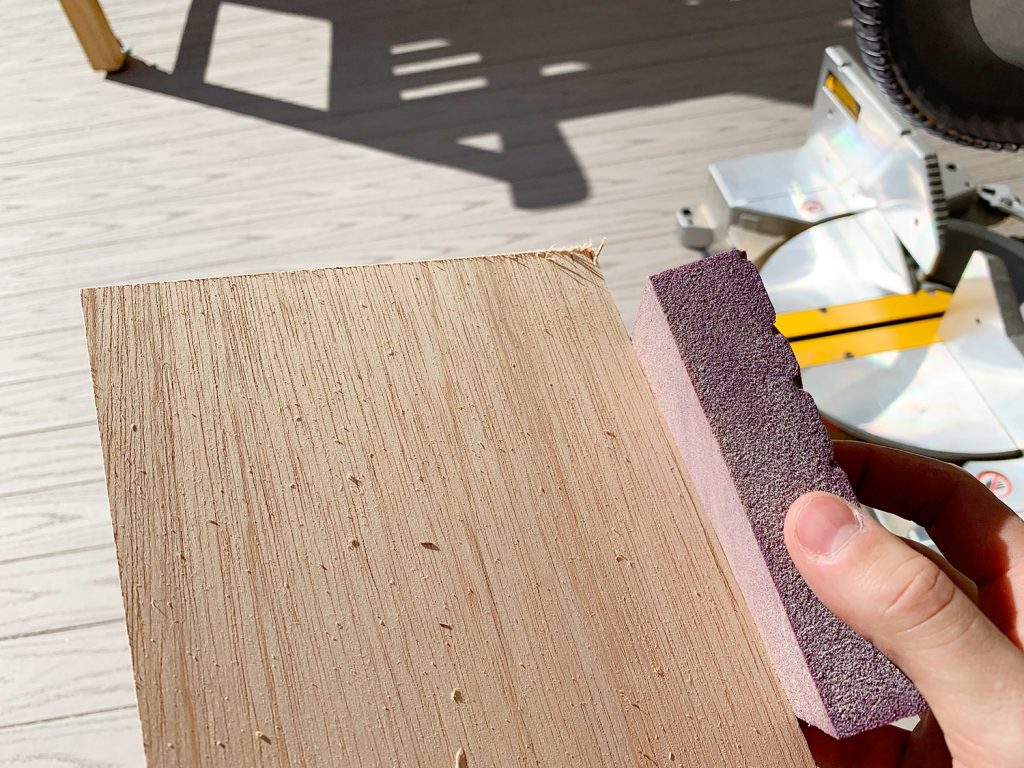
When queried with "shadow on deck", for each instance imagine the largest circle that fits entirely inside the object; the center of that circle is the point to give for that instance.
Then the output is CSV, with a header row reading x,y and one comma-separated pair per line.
x,y
418,79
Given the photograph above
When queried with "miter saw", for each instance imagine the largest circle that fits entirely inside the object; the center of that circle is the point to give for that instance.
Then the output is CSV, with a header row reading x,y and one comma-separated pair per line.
x,y
903,308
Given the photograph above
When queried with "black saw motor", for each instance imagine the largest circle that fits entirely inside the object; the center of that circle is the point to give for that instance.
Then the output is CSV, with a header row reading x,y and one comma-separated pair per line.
x,y
954,66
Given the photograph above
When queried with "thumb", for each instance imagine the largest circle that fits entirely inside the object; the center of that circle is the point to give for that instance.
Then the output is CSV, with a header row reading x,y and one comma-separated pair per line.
x,y
909,608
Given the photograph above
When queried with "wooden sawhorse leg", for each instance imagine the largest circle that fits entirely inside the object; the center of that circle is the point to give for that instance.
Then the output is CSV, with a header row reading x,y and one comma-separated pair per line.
x,y
101,47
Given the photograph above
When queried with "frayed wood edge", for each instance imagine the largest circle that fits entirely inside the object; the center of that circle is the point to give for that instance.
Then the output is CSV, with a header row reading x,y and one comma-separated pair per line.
x,y
584,255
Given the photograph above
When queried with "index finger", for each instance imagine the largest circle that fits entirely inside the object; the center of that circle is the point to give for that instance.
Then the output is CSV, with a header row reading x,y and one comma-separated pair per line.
x,y
980,535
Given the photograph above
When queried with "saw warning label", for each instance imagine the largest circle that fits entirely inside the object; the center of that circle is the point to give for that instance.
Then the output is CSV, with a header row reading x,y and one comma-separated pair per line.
x,y
996,482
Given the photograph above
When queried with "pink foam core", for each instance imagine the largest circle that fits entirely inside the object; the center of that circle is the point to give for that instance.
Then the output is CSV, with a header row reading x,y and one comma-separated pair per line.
x,y
711,480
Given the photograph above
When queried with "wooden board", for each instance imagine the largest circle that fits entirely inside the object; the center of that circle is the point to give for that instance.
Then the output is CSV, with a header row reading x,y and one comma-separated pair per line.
x,y
378,515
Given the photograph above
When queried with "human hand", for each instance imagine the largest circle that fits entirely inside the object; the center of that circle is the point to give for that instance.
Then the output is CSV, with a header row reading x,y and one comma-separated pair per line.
x,y
955,628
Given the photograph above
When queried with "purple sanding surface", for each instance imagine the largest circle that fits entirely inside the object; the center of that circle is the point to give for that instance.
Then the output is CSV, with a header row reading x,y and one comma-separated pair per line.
x,y
706,339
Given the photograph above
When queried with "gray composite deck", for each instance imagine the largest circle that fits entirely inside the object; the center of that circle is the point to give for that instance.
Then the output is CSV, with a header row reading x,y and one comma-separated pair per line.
x,y
246,138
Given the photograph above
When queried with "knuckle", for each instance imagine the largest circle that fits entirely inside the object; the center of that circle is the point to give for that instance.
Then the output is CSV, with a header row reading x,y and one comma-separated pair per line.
x,y
917,598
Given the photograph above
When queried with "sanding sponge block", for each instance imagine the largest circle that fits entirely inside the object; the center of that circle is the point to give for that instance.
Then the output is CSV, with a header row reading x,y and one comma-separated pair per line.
x,y
729,388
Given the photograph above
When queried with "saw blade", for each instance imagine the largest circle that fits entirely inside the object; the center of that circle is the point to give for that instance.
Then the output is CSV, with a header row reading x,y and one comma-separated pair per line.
x,y
954,66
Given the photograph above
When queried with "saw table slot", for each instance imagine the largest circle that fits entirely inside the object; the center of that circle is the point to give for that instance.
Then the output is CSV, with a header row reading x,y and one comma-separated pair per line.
x,y
862,315
819,350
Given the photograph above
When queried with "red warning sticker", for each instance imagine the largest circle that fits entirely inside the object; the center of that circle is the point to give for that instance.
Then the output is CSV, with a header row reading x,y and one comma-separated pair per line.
x,y
996,482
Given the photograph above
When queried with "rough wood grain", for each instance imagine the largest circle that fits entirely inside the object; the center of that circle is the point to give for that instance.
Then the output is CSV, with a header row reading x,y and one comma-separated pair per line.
x,y
338,495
